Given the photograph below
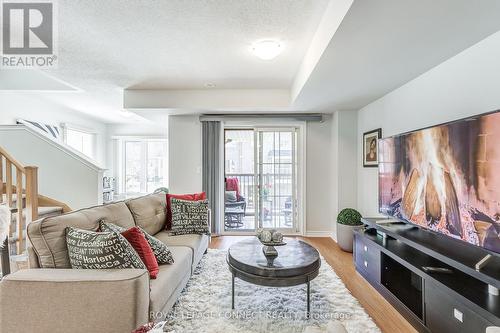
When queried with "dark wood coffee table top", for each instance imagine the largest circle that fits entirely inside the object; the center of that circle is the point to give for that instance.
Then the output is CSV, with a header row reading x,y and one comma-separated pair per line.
x,y
297,262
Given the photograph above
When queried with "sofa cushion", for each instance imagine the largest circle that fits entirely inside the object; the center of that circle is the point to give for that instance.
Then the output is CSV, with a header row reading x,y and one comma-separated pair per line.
x,y
149,212
160,249
100,250
191,197
135,236
169,278
197,243
48,235
189,217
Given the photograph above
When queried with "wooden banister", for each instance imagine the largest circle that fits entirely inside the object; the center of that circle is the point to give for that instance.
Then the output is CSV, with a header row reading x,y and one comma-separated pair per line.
x,y
31,193
8,181
19,206
26,184
12,160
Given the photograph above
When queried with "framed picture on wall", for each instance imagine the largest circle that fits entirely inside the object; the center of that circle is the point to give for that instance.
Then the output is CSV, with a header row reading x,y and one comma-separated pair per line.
x,y
370,147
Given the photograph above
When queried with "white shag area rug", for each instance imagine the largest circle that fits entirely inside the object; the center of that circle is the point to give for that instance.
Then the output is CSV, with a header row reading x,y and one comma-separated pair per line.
x,y
205,304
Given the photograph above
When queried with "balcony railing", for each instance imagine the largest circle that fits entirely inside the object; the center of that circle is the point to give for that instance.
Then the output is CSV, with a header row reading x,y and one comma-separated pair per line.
x,y
273,187
276,195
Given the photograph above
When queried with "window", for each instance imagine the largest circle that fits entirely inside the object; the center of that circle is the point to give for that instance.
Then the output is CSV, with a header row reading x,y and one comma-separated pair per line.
x,y
144,165
80,140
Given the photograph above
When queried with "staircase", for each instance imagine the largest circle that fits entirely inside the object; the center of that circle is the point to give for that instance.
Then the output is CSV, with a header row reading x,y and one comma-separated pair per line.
x,y
19,191
61,169
17,245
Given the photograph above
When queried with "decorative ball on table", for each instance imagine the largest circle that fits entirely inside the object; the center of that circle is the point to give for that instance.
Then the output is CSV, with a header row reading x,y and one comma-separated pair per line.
x,y
266,236
277,237
270,239
258,233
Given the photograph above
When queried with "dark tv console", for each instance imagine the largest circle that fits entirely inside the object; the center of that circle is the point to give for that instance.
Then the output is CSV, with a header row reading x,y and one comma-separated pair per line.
x,y
391,258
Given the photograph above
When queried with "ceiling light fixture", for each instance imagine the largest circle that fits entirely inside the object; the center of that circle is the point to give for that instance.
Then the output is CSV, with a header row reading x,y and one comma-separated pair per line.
x,y
210,85
267,49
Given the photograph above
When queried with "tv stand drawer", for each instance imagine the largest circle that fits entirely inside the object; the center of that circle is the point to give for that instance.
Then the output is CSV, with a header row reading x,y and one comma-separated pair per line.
x,y
367,258
445,314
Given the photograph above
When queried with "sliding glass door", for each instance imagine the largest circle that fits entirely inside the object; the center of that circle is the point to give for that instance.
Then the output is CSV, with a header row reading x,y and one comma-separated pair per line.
x,y
277,178
260,179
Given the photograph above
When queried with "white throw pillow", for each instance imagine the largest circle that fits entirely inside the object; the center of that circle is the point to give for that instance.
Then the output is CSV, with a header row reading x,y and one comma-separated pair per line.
x,y
231,196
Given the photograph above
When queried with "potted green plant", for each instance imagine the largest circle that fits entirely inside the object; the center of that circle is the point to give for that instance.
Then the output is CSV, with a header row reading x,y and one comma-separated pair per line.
x,y
347,220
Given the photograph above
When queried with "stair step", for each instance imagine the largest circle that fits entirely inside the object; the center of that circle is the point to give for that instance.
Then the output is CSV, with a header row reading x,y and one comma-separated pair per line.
x,y
14,198
14,238
42,212
17,262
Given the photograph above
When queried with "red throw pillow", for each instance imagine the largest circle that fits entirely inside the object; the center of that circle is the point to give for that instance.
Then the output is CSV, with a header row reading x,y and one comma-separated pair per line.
x,y
136,238
190,197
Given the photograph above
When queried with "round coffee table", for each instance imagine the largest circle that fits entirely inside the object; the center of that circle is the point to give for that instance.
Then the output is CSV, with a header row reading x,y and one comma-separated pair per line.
x,y
297,263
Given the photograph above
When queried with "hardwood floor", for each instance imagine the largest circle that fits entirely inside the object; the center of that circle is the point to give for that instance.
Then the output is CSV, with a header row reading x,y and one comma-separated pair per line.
x,y
386,316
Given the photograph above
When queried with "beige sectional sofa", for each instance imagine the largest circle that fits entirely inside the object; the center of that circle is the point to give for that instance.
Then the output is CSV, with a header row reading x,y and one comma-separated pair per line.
x,y
52,297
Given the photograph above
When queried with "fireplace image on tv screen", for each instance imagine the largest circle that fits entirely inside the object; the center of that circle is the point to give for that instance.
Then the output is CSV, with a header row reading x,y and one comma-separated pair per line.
x,y
446,179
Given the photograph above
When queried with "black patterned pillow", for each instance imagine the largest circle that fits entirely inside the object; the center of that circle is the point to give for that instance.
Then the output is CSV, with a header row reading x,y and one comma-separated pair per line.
x,y
160,249
189,217
100,250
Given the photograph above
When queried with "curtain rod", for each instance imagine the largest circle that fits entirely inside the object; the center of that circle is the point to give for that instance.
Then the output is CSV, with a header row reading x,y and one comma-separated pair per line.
x,y
295,116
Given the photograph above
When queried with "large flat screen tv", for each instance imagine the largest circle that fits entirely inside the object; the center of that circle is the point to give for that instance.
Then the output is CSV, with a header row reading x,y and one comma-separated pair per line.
x,y
446,178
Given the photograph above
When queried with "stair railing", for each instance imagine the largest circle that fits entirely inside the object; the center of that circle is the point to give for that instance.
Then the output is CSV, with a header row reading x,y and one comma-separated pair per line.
x,y
26,179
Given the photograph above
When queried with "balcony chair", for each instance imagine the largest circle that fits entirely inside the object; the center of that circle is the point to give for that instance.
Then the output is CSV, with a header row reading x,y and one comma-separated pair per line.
x,y
234,211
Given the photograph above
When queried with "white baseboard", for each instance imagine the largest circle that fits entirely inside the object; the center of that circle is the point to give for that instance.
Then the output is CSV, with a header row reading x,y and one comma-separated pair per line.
x,y
318,234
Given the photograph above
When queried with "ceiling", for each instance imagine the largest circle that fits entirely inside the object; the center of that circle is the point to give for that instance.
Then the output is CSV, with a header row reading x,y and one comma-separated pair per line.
x,y
380,45
108,46
160,55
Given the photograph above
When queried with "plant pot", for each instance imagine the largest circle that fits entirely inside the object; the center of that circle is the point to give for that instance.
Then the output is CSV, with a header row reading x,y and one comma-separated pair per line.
x,y
345,235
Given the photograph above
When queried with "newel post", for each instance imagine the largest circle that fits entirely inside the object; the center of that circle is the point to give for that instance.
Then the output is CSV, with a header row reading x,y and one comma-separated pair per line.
x,y
31,193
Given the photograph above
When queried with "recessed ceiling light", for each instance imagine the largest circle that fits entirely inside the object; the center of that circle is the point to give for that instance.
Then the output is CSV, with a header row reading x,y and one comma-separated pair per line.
x,y
267,49
210,85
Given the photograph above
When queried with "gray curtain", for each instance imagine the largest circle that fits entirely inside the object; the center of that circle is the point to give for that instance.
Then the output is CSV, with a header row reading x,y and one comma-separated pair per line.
x,y
211,168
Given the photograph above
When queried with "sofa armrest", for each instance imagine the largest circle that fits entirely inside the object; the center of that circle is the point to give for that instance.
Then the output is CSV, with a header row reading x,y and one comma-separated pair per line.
x,y
70,300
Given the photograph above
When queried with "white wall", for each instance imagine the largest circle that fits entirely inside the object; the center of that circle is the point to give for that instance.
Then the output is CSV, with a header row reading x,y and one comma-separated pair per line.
x,y
61,175
346,160
65,182
184,147
320,172
464,85
32,106
343,184
146,130
185,167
